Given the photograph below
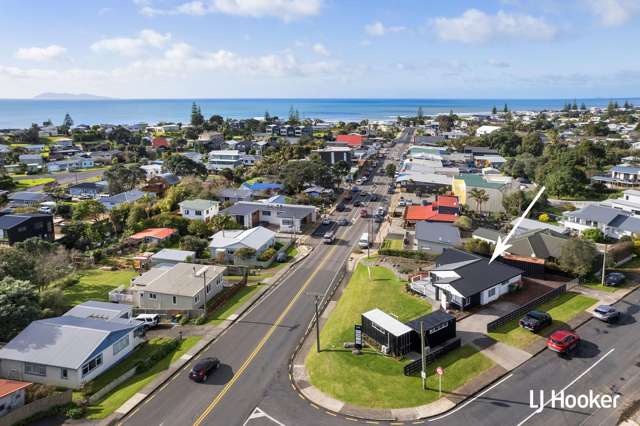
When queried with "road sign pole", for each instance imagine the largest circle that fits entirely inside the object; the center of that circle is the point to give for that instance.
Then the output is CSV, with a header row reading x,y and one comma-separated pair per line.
x,y
317,327
439,386
423,374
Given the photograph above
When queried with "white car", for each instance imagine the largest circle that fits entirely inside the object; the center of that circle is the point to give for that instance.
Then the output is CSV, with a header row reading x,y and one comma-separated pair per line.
x,y
149,320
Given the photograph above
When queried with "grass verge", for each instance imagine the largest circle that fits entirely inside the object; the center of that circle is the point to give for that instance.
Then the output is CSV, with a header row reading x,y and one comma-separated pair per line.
x,y
233,304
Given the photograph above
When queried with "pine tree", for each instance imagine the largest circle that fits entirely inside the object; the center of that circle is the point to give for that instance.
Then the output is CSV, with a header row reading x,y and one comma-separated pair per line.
x,y
196,115
267,117
420,113
583,107
494,110
574,106
68,121
505,109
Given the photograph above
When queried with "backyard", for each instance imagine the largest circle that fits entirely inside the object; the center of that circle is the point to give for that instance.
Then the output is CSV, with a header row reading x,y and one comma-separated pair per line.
x,y
562,309
95,284
372,379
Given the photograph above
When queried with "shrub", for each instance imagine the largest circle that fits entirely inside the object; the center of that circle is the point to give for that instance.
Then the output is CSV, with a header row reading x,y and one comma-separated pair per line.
x,y
76,412
419,255
184,319
593,234
267,254
464,222
543,217
68,281
245,253
200,320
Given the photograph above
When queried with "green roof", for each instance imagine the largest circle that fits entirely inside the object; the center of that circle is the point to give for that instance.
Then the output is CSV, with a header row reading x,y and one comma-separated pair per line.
x,y
478,181
198,204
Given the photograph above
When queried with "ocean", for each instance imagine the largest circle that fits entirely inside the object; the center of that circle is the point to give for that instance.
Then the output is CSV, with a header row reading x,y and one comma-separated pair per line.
x,y
19,113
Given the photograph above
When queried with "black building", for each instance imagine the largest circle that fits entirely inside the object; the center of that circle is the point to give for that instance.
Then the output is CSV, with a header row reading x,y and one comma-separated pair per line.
x,y
17,228
438,327
334,155
393,336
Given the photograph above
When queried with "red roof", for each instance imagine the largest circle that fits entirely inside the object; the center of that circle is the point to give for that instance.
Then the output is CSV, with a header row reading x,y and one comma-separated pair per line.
x,y
159,233
447,200
8,387
352,139
428,213
157,142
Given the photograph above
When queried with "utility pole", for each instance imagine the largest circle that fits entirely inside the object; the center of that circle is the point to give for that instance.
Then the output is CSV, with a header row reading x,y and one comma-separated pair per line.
x,y
604,263
423,373
204,288
317,326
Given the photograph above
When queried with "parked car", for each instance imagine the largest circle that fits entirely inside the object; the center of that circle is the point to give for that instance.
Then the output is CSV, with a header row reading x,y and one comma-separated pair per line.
x,y
328,237
402,202
340,207
374,197
355,189
202,368
344,222
327,221
149,320
282,256
364,213
614,279
535,321
361,181
563,341
391,190
606,313
378,219
357,203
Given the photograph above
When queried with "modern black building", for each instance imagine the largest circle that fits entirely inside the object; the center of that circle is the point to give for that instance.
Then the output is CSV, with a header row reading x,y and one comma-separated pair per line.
x,y
333,155
438,327
15,228
393,336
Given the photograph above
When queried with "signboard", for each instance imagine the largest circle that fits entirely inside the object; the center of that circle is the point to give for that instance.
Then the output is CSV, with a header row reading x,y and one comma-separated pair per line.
x,y
423,374
358,336
439,371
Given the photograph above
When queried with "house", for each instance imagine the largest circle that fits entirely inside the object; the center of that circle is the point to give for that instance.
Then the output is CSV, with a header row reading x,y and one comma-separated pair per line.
x,y
462,280
27,199
180,287
424,182
495,189
12,395
488,235
446,208
171,257
15,228
353,140
435,237
486,130
31,160
262,188
612,222
151,170
235,194
199,209
89,189
629,202
73,163
493,160
226,242
621,175
527,225
335,154
153,235
224,159
317,191
393,336
539,243
287,217
438,328
123,198
160,142
426,152
73,349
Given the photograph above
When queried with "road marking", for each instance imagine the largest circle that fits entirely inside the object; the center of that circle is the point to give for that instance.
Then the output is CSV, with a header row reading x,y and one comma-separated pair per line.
x,y
353,420
569,385
264,340
331,414
472,399
371,422
258,414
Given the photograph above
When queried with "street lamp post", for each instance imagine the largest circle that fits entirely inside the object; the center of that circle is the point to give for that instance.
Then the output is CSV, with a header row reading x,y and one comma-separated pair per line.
x,y
204,289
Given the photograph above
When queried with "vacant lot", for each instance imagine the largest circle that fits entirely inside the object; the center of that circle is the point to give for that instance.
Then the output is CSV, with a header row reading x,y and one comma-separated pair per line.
x,y
28,183
95,284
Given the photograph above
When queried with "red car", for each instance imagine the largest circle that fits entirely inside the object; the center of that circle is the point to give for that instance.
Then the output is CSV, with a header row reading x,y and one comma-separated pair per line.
x,y
364,213
563,341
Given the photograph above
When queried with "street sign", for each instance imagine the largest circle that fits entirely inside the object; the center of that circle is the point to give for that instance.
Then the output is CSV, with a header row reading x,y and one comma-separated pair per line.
x,y
358,336
423,374
439,371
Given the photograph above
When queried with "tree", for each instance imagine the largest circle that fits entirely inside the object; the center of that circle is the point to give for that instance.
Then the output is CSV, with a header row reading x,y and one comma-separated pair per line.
x,y
494,110
52,302
191,243
196,115
31,135
199,228
445,122
390,170
340,169
245,253
88,209
67,122
478,246
505,109
532,144
184,166
480,197
577,257
19,306
121,178
513,203
420,114
593,234
16,264
118,217
564,181
464,222
583,107
223,221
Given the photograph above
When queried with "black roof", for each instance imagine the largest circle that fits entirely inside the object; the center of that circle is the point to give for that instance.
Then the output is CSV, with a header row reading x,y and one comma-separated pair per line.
x,y
430,320
9,221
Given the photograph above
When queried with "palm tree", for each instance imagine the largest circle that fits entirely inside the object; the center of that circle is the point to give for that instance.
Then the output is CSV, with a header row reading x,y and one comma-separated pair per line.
x,y
480,197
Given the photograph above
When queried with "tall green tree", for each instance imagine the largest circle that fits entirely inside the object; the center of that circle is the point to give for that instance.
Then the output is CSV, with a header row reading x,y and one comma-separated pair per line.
x,y
196,115
480,197
19,306
577,257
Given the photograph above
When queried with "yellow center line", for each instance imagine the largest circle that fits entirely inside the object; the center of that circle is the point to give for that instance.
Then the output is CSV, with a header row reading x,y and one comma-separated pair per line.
x,y
266,337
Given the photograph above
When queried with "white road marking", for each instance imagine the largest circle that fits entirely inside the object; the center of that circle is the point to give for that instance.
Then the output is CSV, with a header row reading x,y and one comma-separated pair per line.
x,y
258,414
569,385
471,400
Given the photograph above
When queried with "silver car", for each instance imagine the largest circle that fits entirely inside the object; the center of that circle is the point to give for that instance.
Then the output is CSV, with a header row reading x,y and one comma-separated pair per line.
x,y
606,313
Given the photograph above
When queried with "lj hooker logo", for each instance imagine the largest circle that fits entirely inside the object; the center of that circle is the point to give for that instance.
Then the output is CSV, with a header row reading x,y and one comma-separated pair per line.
x,y
563,401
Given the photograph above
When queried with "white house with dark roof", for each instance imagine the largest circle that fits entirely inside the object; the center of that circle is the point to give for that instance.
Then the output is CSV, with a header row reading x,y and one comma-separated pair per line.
x,y
199,209
612,222
287,217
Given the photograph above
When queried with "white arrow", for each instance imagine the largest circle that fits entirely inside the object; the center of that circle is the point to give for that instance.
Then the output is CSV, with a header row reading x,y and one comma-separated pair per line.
x,y
501,245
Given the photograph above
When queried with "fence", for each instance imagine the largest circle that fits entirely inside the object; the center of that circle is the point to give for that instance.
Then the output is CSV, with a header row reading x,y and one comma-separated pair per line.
x,y
415,366
112,385
517,313
35,407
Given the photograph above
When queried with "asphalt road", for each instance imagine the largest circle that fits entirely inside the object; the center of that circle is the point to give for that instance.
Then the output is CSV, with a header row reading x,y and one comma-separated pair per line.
x,y
254,352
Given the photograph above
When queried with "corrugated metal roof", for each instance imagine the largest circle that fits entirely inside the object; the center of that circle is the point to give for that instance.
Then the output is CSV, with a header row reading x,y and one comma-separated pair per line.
x,y
387,322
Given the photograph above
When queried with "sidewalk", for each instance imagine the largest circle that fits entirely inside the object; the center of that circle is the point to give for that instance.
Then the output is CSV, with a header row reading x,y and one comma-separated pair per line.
x,y
210,334
504,356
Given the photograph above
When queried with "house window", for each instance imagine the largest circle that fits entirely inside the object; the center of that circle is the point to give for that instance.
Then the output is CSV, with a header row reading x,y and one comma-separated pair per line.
x,y
153,296
491,292
186,211
266,213
120,345
197,298
174,300
208,287
467,301
92,365
198,213
35,369
64,374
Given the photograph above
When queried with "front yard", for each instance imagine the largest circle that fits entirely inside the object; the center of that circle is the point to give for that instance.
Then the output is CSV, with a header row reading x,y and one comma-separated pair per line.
x,y
372,379
28,183
95,284
393,244
562,309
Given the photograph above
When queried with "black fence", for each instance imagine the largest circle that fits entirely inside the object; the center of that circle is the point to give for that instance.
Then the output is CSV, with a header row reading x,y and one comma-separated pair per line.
x,y
415,366
526,308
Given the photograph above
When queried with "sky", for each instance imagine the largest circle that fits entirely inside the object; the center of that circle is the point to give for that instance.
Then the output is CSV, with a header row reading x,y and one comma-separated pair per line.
x,y
321,48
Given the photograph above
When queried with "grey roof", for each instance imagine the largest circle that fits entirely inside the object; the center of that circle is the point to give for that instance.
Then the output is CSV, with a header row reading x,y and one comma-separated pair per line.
x,y
473,273
65,341
487,234
295,211
539,243
173,255
531,224
235,193
197,204
254,238
601,214
99,310
10,221
626,169
442,233
170,178
431,320
179,279
28,196
125,197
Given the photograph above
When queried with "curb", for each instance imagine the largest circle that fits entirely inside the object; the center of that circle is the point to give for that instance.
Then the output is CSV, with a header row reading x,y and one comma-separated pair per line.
x,y
114,418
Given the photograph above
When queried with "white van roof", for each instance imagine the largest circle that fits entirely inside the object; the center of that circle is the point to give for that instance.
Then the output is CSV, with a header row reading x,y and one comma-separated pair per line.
x,y
365,236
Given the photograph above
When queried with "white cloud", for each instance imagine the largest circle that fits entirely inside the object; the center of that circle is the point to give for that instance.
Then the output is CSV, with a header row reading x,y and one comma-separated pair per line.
x,y
287,10
612,13
128,46
498,64
379,29
475,26
320,49
40,53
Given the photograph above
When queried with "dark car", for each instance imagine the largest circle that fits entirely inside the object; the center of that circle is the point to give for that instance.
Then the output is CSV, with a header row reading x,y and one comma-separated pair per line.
x,y
378,219
357,203
343,222
563,341
340,207
614,279
606,313
202,368
535,321
374,197
391,190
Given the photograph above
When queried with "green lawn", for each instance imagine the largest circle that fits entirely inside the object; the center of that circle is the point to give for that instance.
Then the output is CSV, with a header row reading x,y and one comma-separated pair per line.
x,y
95,284
393,244
596,285
562,309
126,390
28,183
234,303
371,379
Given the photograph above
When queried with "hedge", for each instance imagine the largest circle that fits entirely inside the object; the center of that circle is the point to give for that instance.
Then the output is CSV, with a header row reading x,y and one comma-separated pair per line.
x,y
419,255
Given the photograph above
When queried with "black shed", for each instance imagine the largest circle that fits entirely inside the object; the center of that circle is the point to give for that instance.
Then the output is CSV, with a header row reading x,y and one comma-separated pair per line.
x,y
387,331
438,327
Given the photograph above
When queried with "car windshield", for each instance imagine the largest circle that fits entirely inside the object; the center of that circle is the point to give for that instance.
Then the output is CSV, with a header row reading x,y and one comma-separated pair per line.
x,y
603,309
556,341
536,315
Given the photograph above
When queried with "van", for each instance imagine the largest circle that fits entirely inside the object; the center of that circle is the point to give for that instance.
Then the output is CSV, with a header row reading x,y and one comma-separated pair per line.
x,y
363,243
328,238
149,320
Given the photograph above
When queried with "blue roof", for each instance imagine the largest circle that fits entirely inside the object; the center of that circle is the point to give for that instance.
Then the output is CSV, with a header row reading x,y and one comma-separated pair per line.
x,y
626,169
262,186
